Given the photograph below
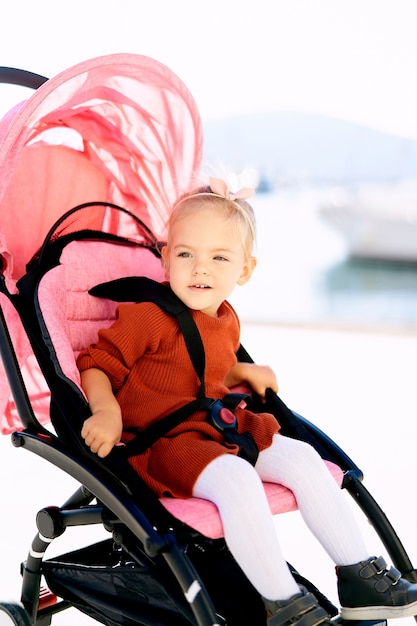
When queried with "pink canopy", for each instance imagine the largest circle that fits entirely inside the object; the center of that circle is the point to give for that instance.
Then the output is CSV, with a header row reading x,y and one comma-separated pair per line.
x,y
121,128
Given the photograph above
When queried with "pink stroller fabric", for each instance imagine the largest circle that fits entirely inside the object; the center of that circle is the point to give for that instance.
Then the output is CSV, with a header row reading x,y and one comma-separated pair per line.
x,y
121,128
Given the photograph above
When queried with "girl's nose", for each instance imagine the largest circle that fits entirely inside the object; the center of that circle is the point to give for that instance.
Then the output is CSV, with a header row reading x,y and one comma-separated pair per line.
x,y
200,268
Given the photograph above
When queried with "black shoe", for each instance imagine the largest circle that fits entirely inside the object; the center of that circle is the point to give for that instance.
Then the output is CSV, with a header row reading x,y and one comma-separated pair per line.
x,y
368,590
302,609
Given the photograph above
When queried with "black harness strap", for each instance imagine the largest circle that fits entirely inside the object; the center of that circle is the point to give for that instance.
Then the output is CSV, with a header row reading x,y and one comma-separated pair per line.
x,y
143,440
143,289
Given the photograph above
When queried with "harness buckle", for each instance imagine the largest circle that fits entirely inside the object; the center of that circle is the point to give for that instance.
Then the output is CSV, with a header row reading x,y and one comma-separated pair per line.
x,y
220,412
221,417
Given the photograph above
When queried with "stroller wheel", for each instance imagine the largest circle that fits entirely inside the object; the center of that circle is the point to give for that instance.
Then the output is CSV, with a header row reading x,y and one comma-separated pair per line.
x,y
14,614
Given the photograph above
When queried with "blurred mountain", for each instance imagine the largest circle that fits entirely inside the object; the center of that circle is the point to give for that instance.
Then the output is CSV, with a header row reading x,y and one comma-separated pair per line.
x,y
290,147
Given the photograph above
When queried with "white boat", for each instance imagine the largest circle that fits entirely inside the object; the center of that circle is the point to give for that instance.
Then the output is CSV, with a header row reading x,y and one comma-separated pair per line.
x,y
377,221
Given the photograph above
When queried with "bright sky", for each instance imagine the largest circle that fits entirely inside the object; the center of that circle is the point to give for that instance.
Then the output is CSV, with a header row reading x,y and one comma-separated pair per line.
x,y
352,59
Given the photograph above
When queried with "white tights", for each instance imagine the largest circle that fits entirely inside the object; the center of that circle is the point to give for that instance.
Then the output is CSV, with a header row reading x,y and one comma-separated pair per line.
x,y
236,489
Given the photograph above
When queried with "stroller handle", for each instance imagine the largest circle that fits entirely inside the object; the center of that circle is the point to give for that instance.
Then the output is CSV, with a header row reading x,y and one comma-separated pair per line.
x,y
23,78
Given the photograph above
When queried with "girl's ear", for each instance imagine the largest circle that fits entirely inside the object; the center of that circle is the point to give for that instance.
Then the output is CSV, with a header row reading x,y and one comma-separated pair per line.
x,y
165,256
247,271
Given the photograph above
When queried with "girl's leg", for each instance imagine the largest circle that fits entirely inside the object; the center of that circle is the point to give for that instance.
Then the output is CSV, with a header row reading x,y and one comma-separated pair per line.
x,y
236,489
366,589
297,465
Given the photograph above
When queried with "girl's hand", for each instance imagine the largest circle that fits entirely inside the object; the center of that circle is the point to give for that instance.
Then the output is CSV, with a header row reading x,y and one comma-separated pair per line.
x,y
104,428
102,431
259,377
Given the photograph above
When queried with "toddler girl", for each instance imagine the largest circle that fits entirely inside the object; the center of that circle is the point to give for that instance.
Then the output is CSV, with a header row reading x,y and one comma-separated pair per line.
x,y
139,371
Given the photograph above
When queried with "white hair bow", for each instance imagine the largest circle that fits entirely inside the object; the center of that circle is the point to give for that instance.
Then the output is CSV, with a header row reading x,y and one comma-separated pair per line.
x,y
220,188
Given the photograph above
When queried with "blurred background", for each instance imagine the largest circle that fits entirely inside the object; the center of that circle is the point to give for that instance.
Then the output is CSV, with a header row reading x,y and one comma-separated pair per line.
x,y
315,103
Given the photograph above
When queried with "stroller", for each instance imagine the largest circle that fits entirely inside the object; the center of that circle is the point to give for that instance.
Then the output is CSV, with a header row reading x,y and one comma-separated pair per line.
x,y
90,165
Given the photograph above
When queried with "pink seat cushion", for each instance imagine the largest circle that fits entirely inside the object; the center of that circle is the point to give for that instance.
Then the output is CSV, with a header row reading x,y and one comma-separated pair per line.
x,y
203,515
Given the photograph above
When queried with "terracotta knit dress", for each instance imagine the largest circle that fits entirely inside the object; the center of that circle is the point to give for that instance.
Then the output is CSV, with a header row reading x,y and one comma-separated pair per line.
x,y
145,356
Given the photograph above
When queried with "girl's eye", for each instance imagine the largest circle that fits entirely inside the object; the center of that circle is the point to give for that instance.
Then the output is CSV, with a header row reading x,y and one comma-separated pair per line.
x,y
220,258
184,255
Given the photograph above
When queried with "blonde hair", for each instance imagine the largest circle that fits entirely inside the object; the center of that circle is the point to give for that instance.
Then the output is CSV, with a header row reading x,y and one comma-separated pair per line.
x,y
238,212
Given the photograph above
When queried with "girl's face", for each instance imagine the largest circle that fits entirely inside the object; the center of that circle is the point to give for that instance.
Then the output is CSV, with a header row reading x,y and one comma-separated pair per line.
x,y
205,260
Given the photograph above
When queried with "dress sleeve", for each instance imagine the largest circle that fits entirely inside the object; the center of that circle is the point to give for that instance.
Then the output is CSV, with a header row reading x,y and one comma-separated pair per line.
x,y
137,329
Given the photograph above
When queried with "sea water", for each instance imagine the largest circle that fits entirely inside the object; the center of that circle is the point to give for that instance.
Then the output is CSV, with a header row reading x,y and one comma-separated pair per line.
x,y
306,276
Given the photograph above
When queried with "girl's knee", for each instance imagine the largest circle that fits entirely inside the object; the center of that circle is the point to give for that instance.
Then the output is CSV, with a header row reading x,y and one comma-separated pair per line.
x,y
230,475
295,448
237,472
288,461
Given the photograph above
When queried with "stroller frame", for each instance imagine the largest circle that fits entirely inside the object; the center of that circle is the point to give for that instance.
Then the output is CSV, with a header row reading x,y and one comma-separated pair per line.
x,y
139,524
